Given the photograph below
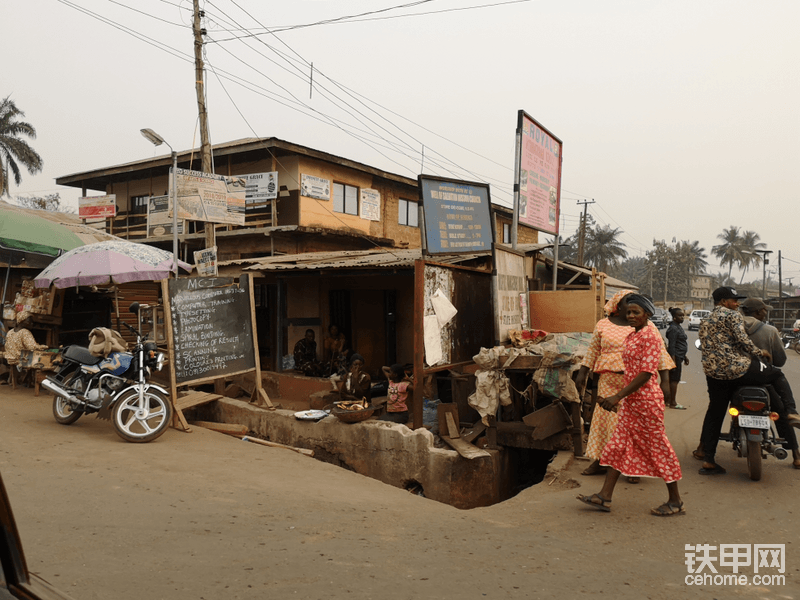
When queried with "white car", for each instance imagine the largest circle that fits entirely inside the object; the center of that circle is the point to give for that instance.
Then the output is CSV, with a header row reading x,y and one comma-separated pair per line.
x,y
696,317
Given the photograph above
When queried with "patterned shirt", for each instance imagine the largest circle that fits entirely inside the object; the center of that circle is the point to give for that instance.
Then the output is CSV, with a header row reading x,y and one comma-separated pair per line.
x,y
18,340
726,348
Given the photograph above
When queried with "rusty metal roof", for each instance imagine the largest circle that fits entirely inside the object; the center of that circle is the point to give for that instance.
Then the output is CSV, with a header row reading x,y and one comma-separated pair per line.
x,y
382,258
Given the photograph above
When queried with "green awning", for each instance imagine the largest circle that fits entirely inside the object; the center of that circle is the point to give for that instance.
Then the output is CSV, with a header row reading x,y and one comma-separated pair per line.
x,y
27,232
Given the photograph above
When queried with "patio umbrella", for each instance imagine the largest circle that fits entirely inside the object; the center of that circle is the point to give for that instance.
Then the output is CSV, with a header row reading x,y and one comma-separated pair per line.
x,y
25,232
110,262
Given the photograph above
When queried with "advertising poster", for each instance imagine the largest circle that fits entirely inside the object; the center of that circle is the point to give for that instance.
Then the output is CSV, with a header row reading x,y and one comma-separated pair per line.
x,y
210,198
315,187
539,176
97,207
370,205
205,261
457,217
159,217
510,289
260,187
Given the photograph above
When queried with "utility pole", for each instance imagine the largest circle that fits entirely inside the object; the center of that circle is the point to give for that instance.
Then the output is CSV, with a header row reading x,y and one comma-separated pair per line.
x,y
583,229
780,289
764,263
199,80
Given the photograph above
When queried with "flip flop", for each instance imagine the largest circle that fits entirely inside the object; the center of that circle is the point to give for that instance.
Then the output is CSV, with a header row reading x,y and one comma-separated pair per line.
x,y
603,504
678,407
668,510
698,455
633,479
716,470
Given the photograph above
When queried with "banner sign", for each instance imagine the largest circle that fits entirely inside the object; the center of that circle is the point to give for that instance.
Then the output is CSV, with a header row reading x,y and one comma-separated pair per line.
x,y
370,205
539,175
510,287
315,187
92,207
205,261
159,217
260,187
210,198
457,216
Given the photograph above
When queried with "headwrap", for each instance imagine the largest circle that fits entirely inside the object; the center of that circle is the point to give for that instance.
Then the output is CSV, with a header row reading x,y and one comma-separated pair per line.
x,y
642,301
611,305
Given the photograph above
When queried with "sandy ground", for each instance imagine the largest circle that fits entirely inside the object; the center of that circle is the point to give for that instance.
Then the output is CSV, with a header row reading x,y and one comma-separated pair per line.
x,y
206,516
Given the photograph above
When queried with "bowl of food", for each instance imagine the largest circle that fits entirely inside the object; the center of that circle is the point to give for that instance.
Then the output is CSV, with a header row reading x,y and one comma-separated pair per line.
x,y
352,411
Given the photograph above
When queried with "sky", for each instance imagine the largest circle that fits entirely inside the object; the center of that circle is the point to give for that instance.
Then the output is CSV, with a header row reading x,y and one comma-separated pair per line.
x,y
678,118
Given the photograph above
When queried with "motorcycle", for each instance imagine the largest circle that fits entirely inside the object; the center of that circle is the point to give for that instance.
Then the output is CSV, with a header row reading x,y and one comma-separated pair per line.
x,y
114,387
791,339
752,432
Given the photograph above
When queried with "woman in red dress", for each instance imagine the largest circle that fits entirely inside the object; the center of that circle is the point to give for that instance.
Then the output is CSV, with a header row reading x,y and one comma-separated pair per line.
x,y
639,446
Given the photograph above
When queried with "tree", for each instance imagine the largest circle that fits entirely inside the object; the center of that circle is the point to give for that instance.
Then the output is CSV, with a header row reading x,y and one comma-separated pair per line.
x,y
13,149
602,249
730,251
751,244
634,271
51,202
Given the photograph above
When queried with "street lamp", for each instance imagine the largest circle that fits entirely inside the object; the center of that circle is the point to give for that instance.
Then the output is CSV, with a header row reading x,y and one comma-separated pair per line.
x,y
157,140
764,263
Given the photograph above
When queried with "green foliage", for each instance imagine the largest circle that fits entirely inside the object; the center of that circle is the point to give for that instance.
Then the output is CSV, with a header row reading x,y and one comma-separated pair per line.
x,y
13,149
738,248
51,202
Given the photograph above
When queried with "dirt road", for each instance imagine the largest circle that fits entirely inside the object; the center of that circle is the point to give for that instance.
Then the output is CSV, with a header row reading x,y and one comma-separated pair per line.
x,y
203,515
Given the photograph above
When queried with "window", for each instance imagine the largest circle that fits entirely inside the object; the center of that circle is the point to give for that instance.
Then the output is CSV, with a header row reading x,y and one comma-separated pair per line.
x,y
345,199
139,205
407,213
506,233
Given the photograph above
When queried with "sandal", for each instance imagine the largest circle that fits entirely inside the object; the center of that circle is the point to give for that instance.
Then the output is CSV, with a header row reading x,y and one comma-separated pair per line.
x,y
600,504
677,406
633,480
594,471
698,454
715,470
668,510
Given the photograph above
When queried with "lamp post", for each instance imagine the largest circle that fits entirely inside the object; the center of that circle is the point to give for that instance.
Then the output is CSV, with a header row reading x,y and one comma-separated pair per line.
x,y
157,140
764,263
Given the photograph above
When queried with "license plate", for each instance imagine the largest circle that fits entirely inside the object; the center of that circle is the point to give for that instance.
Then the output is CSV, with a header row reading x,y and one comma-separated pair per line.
x,y
753,421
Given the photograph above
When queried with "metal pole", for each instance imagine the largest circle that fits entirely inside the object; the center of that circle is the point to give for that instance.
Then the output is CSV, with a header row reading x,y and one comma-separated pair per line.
x,y
517,161
175,211
555,263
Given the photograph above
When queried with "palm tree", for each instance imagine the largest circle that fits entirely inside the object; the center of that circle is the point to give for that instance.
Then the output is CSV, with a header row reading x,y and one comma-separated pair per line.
x,y
694,255
730,251
751,244
12,147
602,249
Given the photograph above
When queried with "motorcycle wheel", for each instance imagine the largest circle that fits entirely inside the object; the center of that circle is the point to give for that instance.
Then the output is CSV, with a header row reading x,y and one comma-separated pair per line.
x,y
63,411
754,460
134,427
797,347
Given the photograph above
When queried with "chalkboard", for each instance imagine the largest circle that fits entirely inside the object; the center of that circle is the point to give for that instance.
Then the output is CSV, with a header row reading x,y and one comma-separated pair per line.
x,y
212,327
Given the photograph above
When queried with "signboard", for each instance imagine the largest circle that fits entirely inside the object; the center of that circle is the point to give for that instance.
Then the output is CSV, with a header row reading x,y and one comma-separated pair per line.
x,y
92,207
510,283
370,205
457,217
205,261
315,187
210,198
212,327
539,175
260,187
159,217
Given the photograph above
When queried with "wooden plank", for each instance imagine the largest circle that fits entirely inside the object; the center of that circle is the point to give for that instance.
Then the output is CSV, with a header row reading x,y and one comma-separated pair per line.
x,y
563,311
303,451
419,342
452,428
471,435
229,428
548,421
448,426
465,449
195,399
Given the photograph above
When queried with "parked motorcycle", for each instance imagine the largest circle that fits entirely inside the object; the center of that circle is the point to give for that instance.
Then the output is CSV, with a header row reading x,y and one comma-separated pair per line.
x,y
791,339
752,432
114,387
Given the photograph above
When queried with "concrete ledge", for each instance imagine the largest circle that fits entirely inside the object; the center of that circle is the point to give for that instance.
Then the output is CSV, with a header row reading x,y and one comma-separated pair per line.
x,y
385,451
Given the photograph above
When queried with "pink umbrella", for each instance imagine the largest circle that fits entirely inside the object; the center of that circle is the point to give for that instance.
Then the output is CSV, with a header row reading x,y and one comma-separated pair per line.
x,y
109,262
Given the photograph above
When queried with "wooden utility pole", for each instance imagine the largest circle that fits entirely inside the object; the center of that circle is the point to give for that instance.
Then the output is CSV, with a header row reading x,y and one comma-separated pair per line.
x,y
199,80
582,237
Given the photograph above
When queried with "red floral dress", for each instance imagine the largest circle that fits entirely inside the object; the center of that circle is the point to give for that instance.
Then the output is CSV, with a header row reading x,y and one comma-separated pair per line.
x,y
639,446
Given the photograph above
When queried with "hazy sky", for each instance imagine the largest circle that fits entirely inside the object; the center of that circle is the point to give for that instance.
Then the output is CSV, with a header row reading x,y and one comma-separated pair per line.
x,y
678,118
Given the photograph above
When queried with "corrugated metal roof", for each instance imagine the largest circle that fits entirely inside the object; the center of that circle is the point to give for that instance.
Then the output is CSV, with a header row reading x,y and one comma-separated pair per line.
x,y
383,258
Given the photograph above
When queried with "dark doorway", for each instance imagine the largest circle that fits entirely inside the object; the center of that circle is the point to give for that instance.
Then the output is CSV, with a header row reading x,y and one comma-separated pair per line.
x,y
339,302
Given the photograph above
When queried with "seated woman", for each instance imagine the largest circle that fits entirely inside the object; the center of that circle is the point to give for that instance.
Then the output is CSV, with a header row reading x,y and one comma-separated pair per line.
x,y
18,339
357,384
335,351
305,356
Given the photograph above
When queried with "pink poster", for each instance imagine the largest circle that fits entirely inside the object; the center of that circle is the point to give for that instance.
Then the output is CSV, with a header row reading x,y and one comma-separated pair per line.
x,y
539,176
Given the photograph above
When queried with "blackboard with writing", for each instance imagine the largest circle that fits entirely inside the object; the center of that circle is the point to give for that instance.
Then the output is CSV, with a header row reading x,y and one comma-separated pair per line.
x,y
212,327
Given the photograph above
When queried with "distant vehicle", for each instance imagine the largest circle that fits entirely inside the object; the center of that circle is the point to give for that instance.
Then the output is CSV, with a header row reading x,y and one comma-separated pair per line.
x,y
696,317
660,318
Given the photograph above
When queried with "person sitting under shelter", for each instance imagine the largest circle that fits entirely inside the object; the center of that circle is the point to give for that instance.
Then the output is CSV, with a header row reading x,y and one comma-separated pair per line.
x,y
305,355
19,338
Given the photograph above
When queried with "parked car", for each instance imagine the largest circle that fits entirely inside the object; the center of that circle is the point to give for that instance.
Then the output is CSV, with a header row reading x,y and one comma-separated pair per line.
x,y
696,317
660,318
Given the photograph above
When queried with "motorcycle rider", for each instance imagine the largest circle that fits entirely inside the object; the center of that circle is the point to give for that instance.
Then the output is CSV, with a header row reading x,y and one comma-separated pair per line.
x,y
731,359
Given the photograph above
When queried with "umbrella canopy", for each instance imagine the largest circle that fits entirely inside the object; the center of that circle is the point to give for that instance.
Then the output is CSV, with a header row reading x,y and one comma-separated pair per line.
x,y
27,232
104,263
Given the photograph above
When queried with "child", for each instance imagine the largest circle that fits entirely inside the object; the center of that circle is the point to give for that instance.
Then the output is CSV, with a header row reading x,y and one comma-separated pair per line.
x,y
399,388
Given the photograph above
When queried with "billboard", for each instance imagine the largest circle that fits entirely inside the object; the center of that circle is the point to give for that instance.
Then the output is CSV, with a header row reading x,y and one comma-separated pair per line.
x,y
457,216
91,207
210,198
159,217
539,179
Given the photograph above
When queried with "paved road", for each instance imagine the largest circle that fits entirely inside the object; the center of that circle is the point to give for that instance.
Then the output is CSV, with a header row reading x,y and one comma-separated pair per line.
x,y
203,515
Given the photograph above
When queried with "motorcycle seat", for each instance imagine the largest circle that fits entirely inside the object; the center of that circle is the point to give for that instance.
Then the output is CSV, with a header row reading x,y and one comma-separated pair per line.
x,y
81,355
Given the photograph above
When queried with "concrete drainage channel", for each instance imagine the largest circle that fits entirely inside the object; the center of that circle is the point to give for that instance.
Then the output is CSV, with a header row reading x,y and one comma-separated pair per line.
x,y
393,454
